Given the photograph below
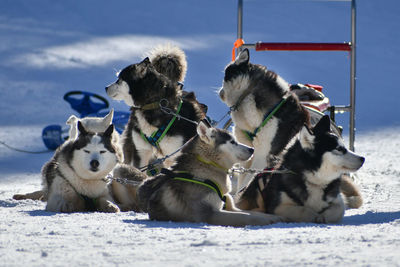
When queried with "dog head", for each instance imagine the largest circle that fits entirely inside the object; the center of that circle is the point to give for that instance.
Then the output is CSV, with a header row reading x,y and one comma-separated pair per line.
x,y
241,75
328,157
220,146
140,84
93,154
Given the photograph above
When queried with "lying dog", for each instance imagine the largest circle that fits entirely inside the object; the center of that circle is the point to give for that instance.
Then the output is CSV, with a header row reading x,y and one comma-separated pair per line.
x,y
197,188
306,186
74,179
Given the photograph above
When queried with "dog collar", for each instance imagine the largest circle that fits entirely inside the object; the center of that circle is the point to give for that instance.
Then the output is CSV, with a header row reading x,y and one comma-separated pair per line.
x,y
151,106
212,163
240,99
267,117
155,138
187,177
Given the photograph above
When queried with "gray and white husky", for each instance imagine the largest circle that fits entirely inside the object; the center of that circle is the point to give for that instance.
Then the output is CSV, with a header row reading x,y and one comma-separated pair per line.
x,y
196,188
306,186
267,116
151,133
91,124
74,180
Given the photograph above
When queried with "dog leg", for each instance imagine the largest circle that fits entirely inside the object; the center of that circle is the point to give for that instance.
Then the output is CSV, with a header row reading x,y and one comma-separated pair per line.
x,y
104,204
37,195
297,213
63,198
333,214
351,192
241,218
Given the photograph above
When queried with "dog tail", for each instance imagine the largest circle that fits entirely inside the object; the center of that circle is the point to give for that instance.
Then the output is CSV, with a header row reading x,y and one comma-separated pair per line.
x,y
169,60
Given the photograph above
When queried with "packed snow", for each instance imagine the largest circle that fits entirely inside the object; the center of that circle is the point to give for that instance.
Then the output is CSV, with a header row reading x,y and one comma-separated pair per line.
x,y
51,47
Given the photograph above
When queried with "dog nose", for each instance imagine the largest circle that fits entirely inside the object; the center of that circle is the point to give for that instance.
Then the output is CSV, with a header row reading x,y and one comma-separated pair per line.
x,y
362,159
94,163
251,150
106,89
221,94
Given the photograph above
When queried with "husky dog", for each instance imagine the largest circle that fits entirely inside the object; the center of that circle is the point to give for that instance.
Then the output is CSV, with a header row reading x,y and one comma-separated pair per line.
x,y
306,187
74,180
151,133
265,113
197,186
91,124
266,116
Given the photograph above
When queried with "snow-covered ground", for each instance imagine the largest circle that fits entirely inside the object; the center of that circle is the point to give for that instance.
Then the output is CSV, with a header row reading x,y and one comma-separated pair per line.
x,y
50,47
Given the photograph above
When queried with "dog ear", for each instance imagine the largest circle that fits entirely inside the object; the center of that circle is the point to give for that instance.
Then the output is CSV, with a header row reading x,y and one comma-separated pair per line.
x,y
323,126
109,131
306,137
109,117
142,67
243,57
81,129
204,131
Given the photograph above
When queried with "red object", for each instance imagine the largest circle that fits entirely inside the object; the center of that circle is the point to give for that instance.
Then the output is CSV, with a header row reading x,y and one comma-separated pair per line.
x,y
260,46
315,86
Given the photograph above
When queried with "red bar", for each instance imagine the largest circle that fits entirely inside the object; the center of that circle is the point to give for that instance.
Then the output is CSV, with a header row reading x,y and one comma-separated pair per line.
x,y
260,46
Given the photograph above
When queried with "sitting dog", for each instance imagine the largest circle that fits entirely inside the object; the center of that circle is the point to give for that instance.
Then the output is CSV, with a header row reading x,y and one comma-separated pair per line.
x,y
145,86
306,186
196,189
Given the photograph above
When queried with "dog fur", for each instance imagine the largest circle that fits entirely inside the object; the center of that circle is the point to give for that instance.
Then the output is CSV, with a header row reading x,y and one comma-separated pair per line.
x,y
308,189
142,83
168,199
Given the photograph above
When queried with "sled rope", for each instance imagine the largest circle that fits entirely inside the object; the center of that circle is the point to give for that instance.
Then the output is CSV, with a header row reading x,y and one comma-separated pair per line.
x,y
168,111
243,170
25,151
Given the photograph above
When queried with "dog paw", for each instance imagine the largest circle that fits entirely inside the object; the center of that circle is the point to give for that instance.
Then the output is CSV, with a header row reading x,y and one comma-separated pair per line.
x,y
109,207
320,218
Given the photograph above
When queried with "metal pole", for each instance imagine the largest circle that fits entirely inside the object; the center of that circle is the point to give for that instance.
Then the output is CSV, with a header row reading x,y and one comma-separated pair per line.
x,y
240,23
353,76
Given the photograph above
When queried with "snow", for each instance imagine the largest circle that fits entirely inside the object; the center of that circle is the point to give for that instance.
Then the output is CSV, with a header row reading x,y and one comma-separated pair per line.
x,y
48,48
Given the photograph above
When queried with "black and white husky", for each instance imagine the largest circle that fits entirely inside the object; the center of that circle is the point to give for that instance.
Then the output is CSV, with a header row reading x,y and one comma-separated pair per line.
x,y
196,188
266,116
74,180
306,186
151,133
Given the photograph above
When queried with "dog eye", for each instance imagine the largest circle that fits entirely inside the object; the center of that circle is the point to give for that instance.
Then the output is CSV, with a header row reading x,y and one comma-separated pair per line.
x,y
102,151
232,142
341,149
86,151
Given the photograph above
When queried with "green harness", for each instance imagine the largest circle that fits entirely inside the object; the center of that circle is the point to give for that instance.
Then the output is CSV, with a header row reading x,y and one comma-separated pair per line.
x,y
267,117
157,136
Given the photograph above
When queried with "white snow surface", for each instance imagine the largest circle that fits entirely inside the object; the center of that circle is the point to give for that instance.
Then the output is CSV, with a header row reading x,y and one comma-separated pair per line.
x,y
48,48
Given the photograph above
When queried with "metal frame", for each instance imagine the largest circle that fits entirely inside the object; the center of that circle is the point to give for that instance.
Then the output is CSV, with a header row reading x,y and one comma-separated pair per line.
x,y
346,46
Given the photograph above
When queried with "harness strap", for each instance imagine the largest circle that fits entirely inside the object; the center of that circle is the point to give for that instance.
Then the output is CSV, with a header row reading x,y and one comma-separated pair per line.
x,y
212,163
151,106
267,117
187,177
157,136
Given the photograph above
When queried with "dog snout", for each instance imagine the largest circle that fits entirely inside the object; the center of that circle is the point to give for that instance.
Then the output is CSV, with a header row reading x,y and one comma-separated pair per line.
x,y
94,164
